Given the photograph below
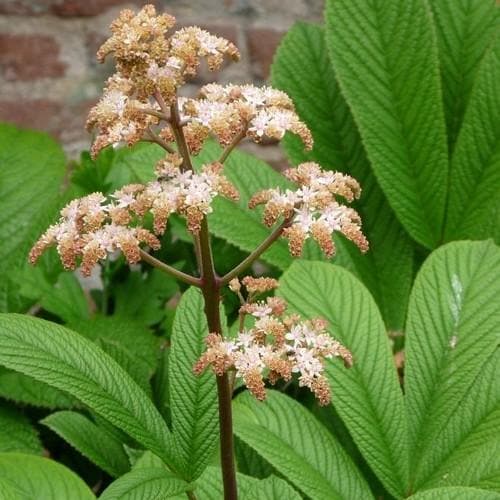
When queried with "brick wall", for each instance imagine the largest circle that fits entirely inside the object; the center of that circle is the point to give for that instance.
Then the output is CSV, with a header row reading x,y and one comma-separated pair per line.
x,y
49,77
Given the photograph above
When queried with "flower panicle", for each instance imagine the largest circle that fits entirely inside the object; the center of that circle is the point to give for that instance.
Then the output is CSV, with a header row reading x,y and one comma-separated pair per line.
x,y
275,348
91,227
313,208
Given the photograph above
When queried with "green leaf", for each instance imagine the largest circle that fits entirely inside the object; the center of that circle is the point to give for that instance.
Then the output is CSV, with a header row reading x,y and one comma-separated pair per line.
x,y
452,330
467,451
193,399
286,435
145,483
455,493
20,388
474,196
464,30
271,488
17,434
36,477
32,168
65,298
90,440
128,342
64,359
303,70
133,164
385,58
367,396
142,297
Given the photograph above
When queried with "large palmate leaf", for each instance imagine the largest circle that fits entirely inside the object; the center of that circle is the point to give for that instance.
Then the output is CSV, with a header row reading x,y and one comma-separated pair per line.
x,y
29,477
145,483
64,359
302,69
474,188
31,173
90,440
286,435
452,331
193,399
464,30
367,396
17,433
455,493
385,58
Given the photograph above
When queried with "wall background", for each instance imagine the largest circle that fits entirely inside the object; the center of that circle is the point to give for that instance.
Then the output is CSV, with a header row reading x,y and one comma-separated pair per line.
x,y
49,77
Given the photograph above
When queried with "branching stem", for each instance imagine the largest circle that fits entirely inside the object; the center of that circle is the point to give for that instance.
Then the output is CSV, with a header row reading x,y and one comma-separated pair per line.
x,y
186,278
210,287
276,233
232,145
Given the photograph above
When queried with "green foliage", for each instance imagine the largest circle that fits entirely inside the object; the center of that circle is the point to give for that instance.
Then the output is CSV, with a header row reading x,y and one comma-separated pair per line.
x,y
386,62
474,194
455,493
464,29
452,332
302,69
31,173
29,477
367,397
286,435
17,434
144,483
90,440
193,399
67,361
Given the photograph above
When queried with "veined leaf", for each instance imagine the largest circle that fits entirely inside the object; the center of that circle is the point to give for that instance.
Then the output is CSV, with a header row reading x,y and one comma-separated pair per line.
x,y
132,345
474,195
90,440
271,488
36,477
303,70
467,451
64,359
32,168
464,30
452,330
367,396
455,493
17,434
20,388
145,483
385,58
285,434
193,399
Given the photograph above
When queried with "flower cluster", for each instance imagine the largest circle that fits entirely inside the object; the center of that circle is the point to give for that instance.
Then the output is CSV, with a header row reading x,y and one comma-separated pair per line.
x,y
275,347
148,62
233,111
312,209
91,227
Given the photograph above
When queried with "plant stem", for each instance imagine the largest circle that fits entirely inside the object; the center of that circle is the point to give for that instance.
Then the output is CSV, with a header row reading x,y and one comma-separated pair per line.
x,y
155,138
256,253
210,287
186,278
232,145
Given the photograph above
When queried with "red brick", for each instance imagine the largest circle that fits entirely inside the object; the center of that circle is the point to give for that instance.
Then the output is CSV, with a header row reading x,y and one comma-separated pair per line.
x,y
69,8
28,57
38,114
25,7
262,44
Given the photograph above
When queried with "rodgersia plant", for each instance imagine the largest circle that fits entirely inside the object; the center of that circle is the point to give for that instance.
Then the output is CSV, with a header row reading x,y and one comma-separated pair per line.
x,y
197,306
141,103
